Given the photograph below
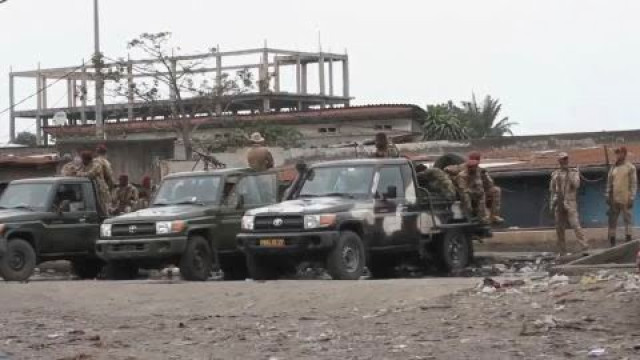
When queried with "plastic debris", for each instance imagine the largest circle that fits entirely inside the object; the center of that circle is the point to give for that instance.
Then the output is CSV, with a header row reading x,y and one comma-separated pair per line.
x,y
597,352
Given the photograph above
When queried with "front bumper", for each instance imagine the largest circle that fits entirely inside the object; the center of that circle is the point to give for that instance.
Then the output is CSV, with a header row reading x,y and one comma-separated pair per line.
x,y
151,248
295,242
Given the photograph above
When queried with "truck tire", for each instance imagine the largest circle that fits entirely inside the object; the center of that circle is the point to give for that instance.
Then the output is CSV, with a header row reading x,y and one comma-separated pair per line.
x,y
454,251
19,261
87,268
196,262
346,260
121,270
260,268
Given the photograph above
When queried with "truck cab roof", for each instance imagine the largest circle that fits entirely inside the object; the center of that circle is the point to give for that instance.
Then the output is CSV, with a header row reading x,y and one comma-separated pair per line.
x,y
51,180
229,171
364,161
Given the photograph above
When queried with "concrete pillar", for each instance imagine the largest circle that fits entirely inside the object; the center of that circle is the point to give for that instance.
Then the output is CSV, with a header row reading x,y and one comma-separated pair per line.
x,y
321,77
130,91
276,79
298,76
331,77
218,90
39,108
172,89
12,117
345,79
303,79
45,106
74,85
266,105
83,101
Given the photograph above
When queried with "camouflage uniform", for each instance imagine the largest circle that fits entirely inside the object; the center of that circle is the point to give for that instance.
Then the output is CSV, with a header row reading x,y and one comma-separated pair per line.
x,y
436,180
259,158
94,171
107,171
622,185
472,195
69,169
493,193
125,199
563,189
390,152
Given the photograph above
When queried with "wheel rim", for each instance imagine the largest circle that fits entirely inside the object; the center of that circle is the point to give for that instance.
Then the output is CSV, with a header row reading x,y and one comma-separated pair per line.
x,y
18,260
456,250
350,256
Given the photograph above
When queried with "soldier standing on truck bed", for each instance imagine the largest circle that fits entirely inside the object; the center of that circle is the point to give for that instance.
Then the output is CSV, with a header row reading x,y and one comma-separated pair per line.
x,y
92,169
125,196
622,185
384,147
563,189
69,165
259,157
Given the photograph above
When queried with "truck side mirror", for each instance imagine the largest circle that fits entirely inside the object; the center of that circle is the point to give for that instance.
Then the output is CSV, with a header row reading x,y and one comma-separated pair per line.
x,y
392,193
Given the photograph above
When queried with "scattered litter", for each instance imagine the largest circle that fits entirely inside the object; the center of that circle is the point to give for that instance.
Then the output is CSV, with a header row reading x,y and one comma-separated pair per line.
x,y
559,280
597,352
55,335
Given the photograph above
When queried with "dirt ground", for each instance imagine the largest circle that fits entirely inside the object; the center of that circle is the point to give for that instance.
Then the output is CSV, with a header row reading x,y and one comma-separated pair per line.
x,y
433,318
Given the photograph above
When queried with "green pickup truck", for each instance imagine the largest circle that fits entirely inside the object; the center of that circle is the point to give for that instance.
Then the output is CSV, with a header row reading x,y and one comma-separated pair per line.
x,y
192,223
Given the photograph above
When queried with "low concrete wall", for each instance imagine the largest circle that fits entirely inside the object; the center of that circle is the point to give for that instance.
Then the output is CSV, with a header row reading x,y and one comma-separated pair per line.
x,y
543,240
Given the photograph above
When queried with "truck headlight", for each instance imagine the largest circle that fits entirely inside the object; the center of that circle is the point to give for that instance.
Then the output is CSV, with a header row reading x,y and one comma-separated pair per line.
x,y
105,230
248,222
170,227
319,221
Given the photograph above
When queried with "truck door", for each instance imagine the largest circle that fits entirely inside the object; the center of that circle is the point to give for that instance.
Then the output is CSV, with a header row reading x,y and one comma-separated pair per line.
x,y
244,193
388,206
69,228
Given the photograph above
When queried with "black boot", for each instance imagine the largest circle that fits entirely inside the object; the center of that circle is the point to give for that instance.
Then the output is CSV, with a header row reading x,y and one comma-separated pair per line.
x,y
628,238
612,240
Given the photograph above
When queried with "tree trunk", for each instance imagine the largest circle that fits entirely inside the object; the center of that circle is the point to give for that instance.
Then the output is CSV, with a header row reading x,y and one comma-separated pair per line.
x,y
188,145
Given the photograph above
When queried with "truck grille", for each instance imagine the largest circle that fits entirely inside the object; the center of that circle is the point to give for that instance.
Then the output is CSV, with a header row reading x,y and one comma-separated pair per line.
x,y
138,229
286,223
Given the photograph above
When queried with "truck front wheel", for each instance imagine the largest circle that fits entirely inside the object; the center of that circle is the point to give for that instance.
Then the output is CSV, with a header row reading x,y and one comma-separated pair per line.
x,y
196,264
18,263
347,258
454,251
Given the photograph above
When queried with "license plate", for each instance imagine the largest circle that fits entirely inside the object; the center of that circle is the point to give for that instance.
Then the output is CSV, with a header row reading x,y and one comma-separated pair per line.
x,y
272,242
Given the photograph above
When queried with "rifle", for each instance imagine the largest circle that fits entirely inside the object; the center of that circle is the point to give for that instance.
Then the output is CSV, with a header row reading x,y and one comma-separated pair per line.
x,y
208,160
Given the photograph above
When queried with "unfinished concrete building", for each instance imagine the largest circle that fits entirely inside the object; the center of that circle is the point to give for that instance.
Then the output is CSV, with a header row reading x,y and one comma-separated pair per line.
x,y
275,92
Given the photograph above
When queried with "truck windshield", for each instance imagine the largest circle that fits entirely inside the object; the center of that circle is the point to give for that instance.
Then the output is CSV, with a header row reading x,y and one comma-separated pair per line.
x,y
26,196
353,181
188,190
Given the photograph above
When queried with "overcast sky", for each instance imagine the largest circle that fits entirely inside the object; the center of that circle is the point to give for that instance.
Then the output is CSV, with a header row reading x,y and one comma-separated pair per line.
x,y
556,65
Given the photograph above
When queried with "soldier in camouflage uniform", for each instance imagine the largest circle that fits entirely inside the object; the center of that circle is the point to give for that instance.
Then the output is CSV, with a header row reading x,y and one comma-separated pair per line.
x,y
107,171
384,147
493,193
93,170
69,166
436,181
125,196
563,189
145,193
472,195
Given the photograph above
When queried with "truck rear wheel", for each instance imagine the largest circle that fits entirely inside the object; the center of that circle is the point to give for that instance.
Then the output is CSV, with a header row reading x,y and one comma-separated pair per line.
x,y
19,261
347,258
454,252
196,262
87,268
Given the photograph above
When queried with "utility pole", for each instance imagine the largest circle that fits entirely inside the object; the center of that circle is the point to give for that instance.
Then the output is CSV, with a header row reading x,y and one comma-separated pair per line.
x,y
97,60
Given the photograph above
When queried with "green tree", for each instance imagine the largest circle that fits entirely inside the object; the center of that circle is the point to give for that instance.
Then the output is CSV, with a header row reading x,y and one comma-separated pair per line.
x,y
26,138
442,123
484,120
274,135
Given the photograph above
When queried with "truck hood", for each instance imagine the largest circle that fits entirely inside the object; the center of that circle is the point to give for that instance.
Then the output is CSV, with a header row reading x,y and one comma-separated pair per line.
x,y
308,206
13,215
163,213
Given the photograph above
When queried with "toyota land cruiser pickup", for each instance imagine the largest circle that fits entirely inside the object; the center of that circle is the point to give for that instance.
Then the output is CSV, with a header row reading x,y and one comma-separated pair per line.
x,y
353,214
55,218
192,223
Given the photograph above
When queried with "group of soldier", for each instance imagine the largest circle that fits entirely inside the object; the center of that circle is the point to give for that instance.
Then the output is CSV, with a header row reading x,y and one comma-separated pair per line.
x,y
114,199
621,188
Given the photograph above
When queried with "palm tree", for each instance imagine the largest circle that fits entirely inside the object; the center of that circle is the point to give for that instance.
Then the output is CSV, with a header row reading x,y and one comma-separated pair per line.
x,y
442,123
482,121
